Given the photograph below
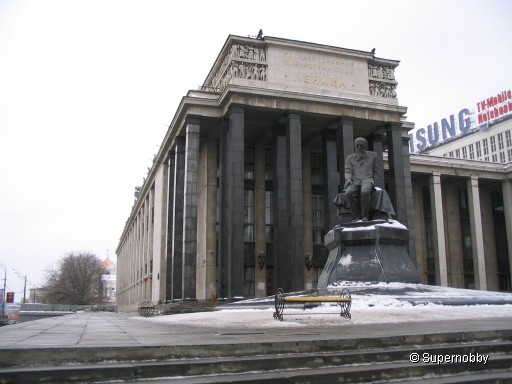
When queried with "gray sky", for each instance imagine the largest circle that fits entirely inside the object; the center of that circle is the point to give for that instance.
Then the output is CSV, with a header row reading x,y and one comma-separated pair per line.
x,y
89,87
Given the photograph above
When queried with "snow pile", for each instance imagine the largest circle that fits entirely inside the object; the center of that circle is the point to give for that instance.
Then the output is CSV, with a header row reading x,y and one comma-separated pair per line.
x,y
371,304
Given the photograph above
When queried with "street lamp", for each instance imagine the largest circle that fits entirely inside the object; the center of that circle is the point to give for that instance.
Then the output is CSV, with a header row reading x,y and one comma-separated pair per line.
x,y
24,286
2,265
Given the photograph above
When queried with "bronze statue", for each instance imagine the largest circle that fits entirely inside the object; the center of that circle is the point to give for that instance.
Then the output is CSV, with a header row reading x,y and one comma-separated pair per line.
x,y
359,192
361,175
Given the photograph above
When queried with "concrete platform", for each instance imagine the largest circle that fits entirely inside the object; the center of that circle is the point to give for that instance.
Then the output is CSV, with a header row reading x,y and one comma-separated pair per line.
x,y
108,345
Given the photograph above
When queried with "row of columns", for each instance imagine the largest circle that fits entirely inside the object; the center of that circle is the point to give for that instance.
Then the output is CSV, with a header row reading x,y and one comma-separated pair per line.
x,y
477,235
288,199
182,213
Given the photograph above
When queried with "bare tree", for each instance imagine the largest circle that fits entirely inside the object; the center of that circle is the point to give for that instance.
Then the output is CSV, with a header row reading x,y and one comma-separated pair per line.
x,y
75,280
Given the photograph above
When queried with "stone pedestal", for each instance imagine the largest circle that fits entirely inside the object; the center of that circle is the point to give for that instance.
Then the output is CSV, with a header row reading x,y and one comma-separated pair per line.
x,y
372,251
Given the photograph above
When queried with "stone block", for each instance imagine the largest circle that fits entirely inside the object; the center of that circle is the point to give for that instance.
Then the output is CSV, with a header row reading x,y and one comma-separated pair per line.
x,y
374,251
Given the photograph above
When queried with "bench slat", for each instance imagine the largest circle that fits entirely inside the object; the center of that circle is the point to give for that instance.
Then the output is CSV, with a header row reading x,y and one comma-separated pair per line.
x,y
316,299
344,301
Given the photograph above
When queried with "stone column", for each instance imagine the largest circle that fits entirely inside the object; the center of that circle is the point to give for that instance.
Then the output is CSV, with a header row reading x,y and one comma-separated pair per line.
x,y
376,146
506,188
160,228
331,177
308,212
281,213
345,147
409,204
207,220
170,223
177,241
438,227
296,219
190,208
211,218
344,143
232,205
477,242
259,219
397,172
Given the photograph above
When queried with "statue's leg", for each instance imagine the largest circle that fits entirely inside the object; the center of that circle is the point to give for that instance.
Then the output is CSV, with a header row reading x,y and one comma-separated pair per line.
x,y
352,194
366,200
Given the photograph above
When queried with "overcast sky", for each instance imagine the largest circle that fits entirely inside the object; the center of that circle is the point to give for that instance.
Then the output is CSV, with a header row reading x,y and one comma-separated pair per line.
x,y
88,89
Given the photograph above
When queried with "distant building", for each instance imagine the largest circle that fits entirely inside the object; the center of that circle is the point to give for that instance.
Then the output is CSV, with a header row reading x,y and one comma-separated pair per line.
x,y
491,144
240,194
109,280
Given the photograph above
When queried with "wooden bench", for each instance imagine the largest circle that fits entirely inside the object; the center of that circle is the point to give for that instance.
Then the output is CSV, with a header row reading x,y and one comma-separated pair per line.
x,y
344,300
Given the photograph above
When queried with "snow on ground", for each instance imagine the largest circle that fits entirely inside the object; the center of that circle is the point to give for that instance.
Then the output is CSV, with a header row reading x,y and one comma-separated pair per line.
x,y
367,308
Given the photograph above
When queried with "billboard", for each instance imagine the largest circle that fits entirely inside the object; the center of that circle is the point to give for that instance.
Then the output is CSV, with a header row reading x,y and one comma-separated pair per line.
x,y
494,107
488,111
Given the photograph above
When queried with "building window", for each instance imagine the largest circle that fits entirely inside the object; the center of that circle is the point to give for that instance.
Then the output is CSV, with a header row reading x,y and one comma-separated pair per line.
x,y
269,164
508,138
248,215
249,163
318,219
269,216
502,157
457,153
493,144
486,147
471,152
450,154
249,280
494,158
478,151
464,153
501,145
317,169
509,155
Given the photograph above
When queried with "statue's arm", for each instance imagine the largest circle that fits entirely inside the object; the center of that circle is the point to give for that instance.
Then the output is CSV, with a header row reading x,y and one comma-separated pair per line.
x,y
376,170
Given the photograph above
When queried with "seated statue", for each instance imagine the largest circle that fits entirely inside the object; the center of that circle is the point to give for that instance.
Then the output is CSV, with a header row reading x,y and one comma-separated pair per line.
x,y
359,193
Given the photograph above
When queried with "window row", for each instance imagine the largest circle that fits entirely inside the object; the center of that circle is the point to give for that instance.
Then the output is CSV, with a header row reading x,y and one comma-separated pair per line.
x,y
496,149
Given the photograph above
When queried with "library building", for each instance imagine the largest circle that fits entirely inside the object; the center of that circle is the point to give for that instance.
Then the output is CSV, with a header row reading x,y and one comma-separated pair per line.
x,y
240,195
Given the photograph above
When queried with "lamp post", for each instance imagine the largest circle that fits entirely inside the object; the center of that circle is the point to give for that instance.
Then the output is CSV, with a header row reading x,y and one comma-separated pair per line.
x,y
2,265
24,277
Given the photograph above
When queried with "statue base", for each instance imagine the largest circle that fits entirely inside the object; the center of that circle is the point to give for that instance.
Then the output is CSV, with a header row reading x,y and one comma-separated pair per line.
x,y
370,251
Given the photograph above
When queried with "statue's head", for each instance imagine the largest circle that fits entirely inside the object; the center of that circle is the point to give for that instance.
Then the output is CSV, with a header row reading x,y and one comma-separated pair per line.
x,y
360,144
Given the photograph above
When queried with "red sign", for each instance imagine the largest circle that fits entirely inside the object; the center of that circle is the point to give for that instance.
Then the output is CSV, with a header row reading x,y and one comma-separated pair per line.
x,y
494,107
10,297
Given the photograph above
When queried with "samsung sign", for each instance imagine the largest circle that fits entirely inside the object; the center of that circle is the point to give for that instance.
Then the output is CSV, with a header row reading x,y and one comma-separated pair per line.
x,y
489,110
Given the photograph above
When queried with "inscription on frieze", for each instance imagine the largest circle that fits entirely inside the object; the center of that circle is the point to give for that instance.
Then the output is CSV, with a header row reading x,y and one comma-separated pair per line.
x,y
308,71
318,72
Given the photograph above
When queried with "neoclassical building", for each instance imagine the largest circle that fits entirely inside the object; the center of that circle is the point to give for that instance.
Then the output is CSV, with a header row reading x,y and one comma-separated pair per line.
x,y
240,193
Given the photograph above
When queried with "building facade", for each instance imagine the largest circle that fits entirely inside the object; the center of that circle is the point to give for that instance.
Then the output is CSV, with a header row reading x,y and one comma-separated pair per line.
x,y
240,193
492,144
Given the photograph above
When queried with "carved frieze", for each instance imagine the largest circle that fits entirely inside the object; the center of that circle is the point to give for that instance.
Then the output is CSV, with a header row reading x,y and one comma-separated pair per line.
x,y
243,61
382,80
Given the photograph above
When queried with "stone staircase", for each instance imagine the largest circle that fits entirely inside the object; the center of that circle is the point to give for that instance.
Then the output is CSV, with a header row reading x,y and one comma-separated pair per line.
x,y
368,360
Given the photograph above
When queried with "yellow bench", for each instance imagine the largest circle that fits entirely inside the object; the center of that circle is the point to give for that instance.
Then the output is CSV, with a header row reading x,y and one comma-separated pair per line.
x,y
344,300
